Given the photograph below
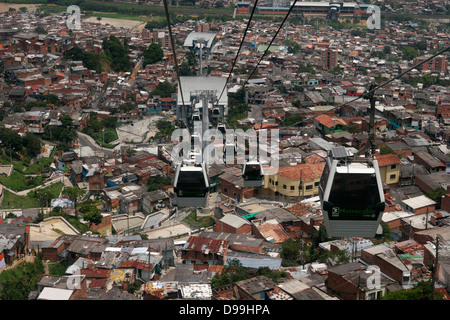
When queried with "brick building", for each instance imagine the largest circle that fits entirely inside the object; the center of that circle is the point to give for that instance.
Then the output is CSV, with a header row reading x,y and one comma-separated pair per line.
x,y
232,223
201,250
351,281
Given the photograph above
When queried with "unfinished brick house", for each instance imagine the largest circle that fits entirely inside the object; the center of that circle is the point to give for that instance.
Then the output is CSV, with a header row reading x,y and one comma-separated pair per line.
x,y
200,250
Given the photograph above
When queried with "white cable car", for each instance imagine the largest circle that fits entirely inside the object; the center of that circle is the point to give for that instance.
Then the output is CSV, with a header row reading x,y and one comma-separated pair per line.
x,y
221,127
253,174
351,194
196,116
191,185
215,112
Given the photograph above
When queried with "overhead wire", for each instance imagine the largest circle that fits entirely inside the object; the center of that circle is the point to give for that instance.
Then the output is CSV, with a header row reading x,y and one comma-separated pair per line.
x,y
172,42
239,50
273,39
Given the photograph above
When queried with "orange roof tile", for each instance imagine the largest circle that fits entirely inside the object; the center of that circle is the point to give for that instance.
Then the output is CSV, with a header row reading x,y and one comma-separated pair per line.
x,y
328,121
304,171
387,159
275,231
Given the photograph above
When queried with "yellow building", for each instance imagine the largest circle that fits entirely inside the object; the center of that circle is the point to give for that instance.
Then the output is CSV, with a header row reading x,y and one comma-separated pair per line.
x,y
389,165
295,183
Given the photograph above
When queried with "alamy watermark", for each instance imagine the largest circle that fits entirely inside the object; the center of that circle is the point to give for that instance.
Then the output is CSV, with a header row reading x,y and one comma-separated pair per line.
x,y
74,19
374,280
374,21
235,147
74,280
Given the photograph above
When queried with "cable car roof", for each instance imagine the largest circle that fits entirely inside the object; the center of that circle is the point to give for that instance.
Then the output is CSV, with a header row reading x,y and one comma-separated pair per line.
x,y
355,167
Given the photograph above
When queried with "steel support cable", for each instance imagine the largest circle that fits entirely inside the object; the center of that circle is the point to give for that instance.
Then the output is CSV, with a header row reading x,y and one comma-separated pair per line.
x,y
172,42
368,93
239,50
273,39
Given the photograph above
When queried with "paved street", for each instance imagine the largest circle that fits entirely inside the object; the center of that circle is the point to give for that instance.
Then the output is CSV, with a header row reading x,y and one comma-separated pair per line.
x,y
87,141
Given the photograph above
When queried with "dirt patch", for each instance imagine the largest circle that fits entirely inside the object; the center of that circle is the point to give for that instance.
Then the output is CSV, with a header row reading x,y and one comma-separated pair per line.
x,y
120,23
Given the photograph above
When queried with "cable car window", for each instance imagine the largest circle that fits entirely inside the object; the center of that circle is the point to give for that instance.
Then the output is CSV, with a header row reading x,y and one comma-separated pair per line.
x,y
354,196
191,179
252,172
191,184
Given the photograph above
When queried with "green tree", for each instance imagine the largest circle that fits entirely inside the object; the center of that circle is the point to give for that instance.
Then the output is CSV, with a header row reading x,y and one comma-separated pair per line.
x,y
66,121
409,53
336,70
232,273
75,194
352,128
32,144
436,195
116,54
91,61
17,283
59,133
421,45
293,46
154,53
191,59
185,70
10,140
157,182
420,291
291,120
291,252
91,214
306,68
110,122
44,197
40,30
164,90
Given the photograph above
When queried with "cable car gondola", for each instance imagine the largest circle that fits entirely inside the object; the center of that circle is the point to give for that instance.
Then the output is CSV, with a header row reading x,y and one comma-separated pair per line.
x,y
253,174
351,194
191,185
221,127
196,116
216,112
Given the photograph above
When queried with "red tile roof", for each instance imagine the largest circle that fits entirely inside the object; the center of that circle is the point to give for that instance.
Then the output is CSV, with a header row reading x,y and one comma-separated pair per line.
x,y
300,209
274,231
328,121
387,159
304,171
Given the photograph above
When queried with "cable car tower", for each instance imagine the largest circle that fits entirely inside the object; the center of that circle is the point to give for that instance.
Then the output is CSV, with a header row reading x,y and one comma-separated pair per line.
x,y
351,190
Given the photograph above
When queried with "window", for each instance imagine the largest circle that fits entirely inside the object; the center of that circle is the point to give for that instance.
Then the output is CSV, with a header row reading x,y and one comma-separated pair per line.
x,y
394,166
292,187
392,176
284,186
316,184
309,187
374,295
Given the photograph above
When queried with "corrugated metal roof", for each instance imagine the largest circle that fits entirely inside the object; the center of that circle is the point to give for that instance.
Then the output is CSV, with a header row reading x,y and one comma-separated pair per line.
x,y
202,244
55,294
234,220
